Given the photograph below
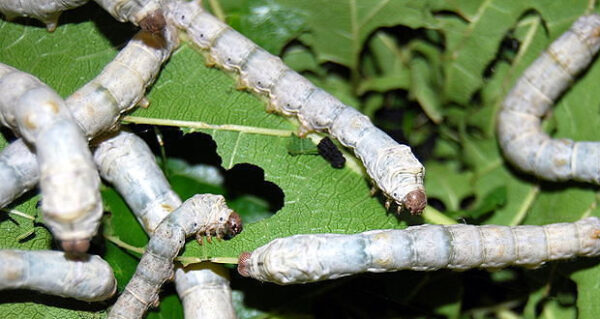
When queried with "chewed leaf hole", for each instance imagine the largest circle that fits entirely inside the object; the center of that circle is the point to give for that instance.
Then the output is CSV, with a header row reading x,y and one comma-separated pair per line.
x,y
192,166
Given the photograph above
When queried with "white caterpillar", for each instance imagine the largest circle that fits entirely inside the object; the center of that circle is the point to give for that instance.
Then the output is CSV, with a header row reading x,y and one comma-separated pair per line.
x,y
96,107
128,163
392,166
46,11
206,214
69,181
308,258
519,125
144,13
204,291
51,272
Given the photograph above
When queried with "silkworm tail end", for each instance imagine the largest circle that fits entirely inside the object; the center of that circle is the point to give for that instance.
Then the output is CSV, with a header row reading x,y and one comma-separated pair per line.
x,y
415,201
75,247
154,22
242,264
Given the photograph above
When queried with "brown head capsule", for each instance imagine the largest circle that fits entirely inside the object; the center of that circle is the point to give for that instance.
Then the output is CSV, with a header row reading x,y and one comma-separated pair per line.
x,y
75,247
242,267
234,225
415,201
154,22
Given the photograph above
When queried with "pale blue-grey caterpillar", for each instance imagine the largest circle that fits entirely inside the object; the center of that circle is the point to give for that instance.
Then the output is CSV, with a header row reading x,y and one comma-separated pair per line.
x,y
204,291
308,258
129,165
96,107
391,166
207,214
144,13
519,122
46,11
51,272
69,182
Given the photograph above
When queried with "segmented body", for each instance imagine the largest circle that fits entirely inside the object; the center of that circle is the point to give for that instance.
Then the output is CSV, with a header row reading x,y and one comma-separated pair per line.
x,y
392,166
46,11
144,13
128,163
519,121
308,258
204,291
96,107
200,214
52,273
69,181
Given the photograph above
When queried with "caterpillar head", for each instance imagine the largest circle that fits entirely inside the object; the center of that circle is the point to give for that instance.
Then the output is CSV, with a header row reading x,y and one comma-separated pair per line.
x,y
233,226
153,22
415,201
75,247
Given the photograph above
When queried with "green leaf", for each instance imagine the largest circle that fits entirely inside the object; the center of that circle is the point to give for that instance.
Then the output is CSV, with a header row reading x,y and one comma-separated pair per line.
x,y
301,146
474,34
448,184
339,32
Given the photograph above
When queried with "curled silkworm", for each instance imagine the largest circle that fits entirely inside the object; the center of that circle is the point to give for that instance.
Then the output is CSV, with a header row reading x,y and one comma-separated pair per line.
x,y
391,166
519,125
307,258
144,13
96,107
69,181
51,272
202,213
204,291
331,153
46,11
127,162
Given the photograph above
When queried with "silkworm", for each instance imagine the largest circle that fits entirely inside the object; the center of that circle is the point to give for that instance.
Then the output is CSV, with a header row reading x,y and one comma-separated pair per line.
x,y
205,213
69,181
308,258
331,153
51,272
204,291
96,107
519,122
391,166
46,11
127,162
144,13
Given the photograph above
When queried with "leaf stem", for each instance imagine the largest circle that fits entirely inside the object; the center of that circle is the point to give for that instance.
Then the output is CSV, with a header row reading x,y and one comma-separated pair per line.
x,y
216,8
117,241
434,216
203,125
518,219
18,213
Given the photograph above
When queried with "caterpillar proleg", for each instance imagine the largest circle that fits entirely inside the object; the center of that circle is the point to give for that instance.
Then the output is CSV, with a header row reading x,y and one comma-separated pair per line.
x,y
144,13
519,122
206,214
51,272
96,107
308,258
391,166
128,163
69,181
46,11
